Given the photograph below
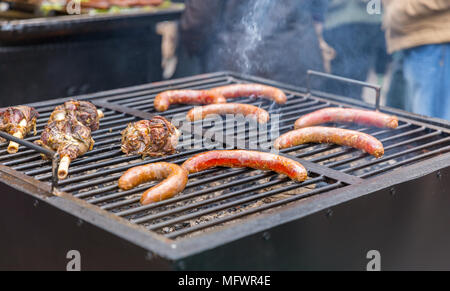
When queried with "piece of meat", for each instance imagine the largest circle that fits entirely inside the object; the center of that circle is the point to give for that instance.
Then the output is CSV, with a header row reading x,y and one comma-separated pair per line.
x,y
70,138
201,112
174,181
83,111
339,136
347,115
245,158
155,137
251,90
18,121
69,130
165,99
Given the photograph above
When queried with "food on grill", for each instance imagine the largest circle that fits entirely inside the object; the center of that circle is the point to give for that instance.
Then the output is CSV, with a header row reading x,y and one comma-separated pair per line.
x,y
347,115
155,137
165,99
83,111
245,158
68,132
252,90
319,134
18,121
174,181
201,112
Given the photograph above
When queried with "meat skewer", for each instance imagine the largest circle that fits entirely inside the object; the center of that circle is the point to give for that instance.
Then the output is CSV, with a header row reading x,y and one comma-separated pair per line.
x,y
155,137
174,181
318,134
165,99
18,121
251,90
347,115
245,158
68,132
199,113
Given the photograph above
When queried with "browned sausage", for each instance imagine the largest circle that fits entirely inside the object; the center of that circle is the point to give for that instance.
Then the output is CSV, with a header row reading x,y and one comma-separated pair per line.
x,y
165,99
318,134
244,158
199,113
252,90
175,180
347,115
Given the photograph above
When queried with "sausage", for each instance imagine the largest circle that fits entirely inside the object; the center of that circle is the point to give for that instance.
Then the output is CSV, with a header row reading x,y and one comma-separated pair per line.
x,y
244,158
175,180
319,134
347,115
199,113
165,99
252,90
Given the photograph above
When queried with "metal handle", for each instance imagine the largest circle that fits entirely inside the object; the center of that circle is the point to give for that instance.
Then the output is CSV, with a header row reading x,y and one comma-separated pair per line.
x,y
54,156
377,88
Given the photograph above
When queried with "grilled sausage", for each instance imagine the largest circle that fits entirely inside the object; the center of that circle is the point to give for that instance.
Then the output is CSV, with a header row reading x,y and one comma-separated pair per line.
x,y
318,134
199,113
175,180
252,90
244,158
165,99
347,115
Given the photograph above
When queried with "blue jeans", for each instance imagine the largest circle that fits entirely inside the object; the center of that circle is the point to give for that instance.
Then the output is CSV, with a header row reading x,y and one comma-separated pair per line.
x,y
427,74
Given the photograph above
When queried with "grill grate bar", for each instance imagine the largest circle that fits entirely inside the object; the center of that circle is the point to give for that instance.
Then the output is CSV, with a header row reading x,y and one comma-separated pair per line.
x,y
241,201
241,214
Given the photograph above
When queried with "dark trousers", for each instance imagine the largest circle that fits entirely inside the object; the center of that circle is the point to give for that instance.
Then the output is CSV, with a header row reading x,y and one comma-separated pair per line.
x,y
359,48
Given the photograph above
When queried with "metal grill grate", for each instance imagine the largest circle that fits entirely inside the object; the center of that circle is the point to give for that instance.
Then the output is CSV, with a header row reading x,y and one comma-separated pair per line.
x,y
218,196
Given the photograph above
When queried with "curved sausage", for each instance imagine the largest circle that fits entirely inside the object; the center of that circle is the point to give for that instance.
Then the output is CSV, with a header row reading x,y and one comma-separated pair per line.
x,y
175,180
347,115
165,99
199,113
318,134
252,90
244,158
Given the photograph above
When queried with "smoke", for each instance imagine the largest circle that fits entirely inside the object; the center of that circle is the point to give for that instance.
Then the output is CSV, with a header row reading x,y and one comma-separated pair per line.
x,y
253,21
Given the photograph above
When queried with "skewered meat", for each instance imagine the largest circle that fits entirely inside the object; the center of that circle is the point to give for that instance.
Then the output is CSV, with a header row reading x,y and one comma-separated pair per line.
x,y
155,137
68,132
18,121
83,111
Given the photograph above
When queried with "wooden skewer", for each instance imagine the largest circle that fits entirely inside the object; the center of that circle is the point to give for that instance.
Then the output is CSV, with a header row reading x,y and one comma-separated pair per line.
x,y
13,147
63,169
100,114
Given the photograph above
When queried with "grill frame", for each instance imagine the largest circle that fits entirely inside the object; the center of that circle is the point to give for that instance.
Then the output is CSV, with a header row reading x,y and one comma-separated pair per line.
x,y
179,250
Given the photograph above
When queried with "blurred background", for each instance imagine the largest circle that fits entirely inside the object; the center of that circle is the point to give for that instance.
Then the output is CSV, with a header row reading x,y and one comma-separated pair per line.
x,y
56,48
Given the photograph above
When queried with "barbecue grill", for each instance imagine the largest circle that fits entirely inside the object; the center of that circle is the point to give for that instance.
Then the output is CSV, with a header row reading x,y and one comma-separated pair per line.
x,y
351,204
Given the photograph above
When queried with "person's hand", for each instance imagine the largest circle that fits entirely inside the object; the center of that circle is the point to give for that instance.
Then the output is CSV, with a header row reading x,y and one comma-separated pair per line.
x,y
328,54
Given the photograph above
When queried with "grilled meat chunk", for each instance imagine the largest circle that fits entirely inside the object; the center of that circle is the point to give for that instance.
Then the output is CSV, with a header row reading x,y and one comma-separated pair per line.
x,y
155,137
83,111
18,121
68,132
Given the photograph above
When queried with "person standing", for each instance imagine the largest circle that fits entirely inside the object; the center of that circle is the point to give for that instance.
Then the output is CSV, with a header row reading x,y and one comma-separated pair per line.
x,y
358,39
420,29
279,40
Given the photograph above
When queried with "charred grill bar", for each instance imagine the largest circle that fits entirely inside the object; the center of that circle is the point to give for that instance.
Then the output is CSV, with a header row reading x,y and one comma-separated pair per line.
x,y
223,211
